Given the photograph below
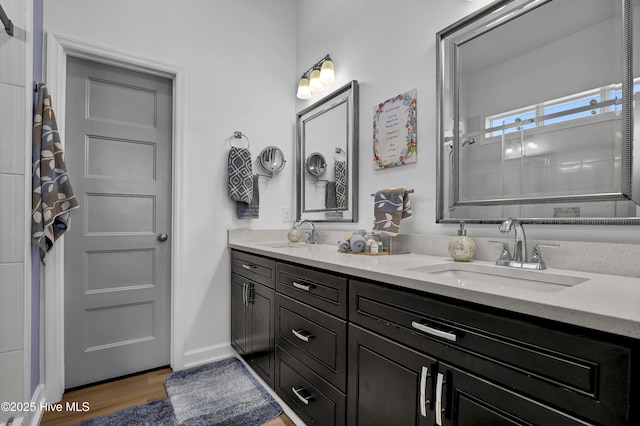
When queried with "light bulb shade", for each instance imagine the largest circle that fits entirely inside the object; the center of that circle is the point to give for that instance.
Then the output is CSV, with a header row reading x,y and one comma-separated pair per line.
x,y
314,82
327,74
303,89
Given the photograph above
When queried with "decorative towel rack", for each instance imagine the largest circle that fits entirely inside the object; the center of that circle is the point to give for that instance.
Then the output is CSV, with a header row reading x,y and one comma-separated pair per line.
x,y
410,191
8,25
239,135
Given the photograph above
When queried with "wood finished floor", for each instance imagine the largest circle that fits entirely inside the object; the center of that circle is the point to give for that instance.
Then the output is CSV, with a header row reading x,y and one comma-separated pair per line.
x,y
112,396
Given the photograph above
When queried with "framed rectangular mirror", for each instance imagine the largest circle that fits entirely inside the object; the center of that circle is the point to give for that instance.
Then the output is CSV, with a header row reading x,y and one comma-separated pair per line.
x,y
535,104
327,158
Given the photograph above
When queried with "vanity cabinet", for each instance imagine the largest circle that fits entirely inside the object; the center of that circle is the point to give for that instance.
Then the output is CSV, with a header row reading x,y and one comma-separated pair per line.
x,y
340,350
490,365
252,312
311,343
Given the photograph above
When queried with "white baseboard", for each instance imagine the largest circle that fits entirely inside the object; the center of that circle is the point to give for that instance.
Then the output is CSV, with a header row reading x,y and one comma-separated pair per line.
x,y
205,355
33,418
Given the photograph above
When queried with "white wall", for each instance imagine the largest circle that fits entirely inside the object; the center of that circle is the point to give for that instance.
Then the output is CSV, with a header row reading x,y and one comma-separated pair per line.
x,y
240,76
389,47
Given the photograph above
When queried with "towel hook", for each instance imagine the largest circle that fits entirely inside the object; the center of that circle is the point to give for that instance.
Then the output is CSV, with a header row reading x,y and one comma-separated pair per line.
x,y
239,135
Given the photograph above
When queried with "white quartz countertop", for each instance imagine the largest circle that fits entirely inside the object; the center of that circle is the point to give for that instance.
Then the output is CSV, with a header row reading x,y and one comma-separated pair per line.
x,y
608,303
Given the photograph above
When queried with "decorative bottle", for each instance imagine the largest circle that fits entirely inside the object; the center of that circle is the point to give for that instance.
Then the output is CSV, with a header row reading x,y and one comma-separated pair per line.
x,y
462,248
294,235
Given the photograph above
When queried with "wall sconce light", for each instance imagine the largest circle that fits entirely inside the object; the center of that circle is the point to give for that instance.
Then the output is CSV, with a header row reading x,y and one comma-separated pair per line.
x,y
314,79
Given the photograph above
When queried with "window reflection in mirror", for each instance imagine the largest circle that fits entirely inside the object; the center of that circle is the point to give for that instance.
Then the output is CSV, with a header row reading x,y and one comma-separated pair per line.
x,y
532,119
327,158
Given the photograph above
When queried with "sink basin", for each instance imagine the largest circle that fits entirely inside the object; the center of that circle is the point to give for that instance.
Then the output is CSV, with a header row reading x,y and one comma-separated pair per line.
x,y
477,276
287,245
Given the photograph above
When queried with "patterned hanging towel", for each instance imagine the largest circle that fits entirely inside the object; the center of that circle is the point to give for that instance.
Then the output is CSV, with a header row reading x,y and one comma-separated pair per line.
x,y
52,194
239,169
341,184
391,206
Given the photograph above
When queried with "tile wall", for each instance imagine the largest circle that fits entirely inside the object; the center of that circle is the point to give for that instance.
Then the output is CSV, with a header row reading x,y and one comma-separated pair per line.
x,y
13,51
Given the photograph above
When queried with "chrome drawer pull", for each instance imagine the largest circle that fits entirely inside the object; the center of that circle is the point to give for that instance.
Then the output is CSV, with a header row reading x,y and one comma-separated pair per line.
x,y
302,335
434,332
249,267
302,286
304,399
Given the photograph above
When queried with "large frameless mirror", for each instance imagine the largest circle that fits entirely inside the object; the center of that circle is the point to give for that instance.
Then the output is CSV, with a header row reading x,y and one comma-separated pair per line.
x,y
327,158
535,113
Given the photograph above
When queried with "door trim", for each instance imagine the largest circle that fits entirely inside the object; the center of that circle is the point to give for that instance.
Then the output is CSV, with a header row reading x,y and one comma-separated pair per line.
x,y
57,50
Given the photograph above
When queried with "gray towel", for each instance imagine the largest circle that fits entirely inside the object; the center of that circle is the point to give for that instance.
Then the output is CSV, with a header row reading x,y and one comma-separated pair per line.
x,y
358,243
252,210
341,184
52,194
344,245
239,169
330,201
390,206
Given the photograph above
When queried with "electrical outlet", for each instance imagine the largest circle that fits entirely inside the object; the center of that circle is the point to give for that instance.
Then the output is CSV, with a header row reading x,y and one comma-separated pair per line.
x,y
286,214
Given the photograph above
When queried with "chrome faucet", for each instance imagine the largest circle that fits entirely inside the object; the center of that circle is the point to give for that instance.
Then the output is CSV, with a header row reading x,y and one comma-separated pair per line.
x,y
520,257
520,246
312,237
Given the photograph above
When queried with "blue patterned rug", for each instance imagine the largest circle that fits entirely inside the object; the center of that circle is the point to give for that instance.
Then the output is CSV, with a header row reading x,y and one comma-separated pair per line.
x,y
221,393
154,413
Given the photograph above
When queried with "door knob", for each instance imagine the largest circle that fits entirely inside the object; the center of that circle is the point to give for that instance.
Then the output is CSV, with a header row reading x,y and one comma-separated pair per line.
x,y
162,237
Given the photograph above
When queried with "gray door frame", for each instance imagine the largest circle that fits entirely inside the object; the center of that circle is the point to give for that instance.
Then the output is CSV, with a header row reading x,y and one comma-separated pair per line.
x,y
58,49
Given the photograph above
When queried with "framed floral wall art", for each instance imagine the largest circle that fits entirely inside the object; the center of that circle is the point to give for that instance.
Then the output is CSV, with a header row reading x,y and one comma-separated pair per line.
x,y
395,141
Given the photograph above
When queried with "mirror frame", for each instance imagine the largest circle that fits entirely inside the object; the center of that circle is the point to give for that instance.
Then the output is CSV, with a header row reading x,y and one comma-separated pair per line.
x,y
347,94
630,176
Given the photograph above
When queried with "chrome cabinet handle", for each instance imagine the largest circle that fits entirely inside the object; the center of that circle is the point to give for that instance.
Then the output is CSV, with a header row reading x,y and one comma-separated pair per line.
x,y
249,267
301,286
423,391
302,335
244,294
439,382
162,237
434,332
304,399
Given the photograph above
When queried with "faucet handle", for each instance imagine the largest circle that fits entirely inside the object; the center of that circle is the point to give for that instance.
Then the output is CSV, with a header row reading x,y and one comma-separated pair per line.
x,y
505,254
536,254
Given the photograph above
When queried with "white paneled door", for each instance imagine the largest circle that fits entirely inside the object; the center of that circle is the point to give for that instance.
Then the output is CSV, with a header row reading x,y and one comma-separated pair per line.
x,y
117,254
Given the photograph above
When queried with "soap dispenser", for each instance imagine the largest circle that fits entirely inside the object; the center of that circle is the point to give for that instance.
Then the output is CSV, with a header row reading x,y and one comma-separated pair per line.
x,y
462,248
294,233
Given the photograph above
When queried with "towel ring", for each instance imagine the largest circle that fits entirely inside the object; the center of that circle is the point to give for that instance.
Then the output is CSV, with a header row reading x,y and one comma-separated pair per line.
x,y
239,135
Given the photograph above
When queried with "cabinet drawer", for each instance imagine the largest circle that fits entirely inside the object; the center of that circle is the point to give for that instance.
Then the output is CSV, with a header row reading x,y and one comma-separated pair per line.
x,y
316,338
255,268
321,290
564,368
311,397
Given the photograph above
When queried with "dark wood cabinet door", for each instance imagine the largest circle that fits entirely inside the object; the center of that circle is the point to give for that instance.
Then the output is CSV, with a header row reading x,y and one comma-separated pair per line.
x,y
389,384
467,400
252,324
239,339
261,325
